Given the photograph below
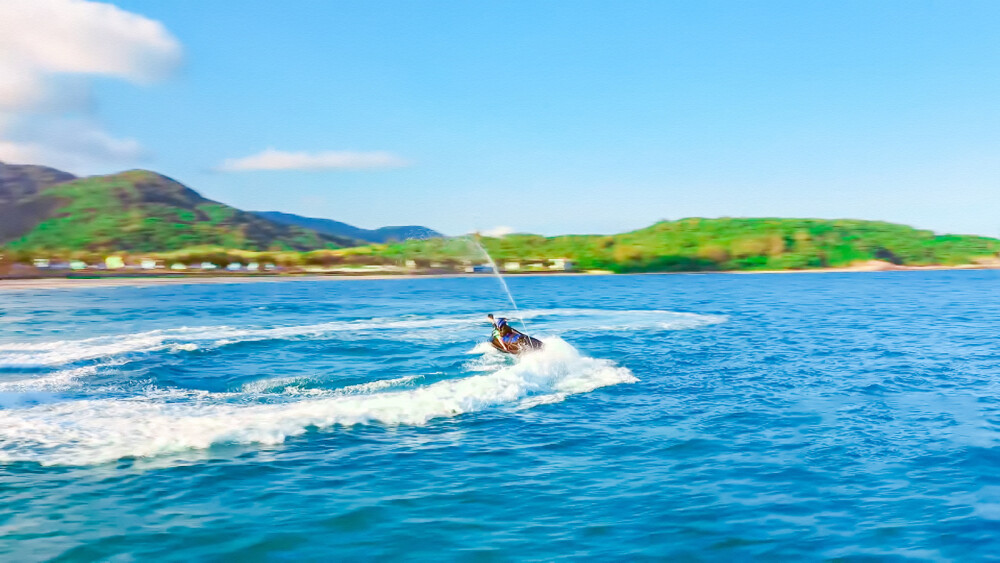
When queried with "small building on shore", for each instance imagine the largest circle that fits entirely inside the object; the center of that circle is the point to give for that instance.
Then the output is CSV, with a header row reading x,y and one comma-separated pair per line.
x,y
562,264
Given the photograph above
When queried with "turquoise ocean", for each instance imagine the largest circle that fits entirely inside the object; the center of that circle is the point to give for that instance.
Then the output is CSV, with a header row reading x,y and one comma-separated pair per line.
x,y
691,417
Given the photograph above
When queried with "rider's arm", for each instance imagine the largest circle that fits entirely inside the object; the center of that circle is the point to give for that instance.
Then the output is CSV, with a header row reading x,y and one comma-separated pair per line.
x,y
498,336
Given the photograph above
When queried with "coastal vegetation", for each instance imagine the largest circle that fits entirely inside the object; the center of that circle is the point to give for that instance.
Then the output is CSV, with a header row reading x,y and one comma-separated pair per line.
x,y
140,216
697,244
687,245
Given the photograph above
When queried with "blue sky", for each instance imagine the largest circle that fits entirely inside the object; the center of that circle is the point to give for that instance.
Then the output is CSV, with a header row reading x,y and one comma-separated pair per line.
x,y
572,117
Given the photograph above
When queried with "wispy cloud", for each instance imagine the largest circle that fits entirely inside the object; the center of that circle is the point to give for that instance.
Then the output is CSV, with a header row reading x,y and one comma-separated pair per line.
x,y
75,144
49,49
272,159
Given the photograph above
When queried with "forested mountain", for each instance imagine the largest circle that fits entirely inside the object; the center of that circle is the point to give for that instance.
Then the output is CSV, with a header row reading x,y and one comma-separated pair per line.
x,y
136,210
44,208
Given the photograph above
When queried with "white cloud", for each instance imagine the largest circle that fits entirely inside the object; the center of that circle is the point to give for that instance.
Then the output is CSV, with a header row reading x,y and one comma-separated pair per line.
x,y
497,232
48,51
40,38
74,144
271,159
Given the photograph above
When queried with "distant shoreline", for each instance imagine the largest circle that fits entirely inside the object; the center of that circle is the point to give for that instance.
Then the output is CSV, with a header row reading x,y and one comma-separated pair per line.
x,y
154,280
21,284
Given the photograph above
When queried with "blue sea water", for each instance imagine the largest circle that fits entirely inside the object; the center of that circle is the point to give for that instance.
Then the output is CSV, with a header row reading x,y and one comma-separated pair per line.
x,y
700,417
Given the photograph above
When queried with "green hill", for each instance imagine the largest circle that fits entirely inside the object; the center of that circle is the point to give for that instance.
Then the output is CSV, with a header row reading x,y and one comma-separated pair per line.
x,y
696,244
135,211
45,210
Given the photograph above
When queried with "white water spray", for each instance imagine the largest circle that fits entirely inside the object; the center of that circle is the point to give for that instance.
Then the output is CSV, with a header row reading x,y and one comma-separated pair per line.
x,y
503,283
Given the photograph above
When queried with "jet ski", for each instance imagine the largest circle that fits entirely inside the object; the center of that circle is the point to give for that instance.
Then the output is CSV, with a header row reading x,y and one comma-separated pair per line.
x,y
515,342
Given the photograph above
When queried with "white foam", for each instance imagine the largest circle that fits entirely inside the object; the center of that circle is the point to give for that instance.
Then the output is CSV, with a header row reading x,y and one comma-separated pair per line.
x,y
378,385
59,380
61,352
487,358
607,319
273,384
163,421
35,354
482,348
295,386
187,339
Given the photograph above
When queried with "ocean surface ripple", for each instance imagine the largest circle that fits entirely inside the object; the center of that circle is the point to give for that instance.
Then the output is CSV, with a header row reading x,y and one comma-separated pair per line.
x,y
704,417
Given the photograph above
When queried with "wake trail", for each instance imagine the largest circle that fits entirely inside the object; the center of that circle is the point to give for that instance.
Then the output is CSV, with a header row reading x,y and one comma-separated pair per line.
x,y
20,355
94,431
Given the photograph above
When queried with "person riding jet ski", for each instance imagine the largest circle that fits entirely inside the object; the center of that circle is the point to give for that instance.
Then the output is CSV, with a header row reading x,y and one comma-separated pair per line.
x,y
502,332
507,339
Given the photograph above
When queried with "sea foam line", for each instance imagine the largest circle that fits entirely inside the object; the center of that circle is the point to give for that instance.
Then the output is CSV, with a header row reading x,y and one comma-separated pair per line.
x,y
295,386
47,354
101,430
61,352
61,380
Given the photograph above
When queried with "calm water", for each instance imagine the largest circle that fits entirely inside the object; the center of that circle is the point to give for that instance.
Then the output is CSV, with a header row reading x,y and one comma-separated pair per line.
x,y
699,417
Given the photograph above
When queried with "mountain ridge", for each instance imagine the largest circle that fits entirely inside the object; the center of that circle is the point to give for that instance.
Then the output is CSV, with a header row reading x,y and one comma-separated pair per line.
x,y
141,210
22,180
135,210
332,227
